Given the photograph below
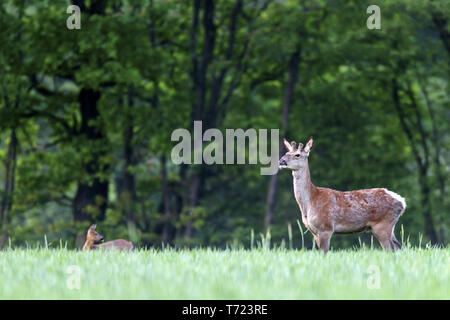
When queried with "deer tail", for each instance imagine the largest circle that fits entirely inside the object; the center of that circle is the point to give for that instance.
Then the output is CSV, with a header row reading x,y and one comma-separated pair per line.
x,y
399,198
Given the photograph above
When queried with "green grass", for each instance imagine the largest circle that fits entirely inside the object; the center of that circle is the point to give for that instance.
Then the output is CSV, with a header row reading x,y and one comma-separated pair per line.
x,y
226,274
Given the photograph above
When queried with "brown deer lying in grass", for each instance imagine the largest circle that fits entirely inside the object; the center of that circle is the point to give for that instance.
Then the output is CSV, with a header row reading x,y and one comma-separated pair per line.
x,y
93,238
326,211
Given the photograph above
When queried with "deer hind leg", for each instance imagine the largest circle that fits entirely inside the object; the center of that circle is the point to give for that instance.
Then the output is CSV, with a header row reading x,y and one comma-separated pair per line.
x,y
316,238
384,233
397,244
323,240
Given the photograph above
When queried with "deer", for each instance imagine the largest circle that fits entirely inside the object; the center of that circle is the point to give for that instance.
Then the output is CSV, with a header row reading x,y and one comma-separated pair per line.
x,y
94,240
326,211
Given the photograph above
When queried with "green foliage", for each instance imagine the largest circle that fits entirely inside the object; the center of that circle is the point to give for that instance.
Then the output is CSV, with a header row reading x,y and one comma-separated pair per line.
x,y
141,58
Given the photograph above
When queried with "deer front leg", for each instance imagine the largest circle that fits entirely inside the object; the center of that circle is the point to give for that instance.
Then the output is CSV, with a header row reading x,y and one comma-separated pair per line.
x,y
323,240
316,238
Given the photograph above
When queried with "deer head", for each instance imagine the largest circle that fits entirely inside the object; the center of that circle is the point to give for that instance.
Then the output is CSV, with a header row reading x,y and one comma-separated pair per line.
x,y
93,235
295,158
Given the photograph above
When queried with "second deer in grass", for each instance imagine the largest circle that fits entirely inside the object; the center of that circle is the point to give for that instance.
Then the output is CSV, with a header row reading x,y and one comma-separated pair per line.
x,y
326,211
94,241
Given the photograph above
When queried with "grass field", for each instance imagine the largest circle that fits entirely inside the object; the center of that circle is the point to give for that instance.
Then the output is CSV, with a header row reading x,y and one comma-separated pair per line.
x,y
225,274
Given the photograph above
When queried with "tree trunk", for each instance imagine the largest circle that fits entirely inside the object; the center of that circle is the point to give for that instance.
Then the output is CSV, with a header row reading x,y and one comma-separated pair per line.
x,y
440,173
8,189
422,163
199,77
287,101
167,227
128,196
440,22
91,196
426,207
208,83
193,201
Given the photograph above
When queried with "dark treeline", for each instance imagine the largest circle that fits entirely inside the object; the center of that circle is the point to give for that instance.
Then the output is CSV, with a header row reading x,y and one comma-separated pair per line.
x,y
86,116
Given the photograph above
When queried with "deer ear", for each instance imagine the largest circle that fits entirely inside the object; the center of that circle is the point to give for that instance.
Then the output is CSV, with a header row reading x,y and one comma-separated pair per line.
x,y
287,145
309,145
93,226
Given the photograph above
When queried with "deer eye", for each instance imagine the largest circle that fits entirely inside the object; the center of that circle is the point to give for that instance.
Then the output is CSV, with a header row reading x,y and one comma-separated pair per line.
x,y
297,155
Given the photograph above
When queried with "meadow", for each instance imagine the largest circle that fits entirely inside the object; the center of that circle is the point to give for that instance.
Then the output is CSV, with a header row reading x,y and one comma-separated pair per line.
x,y
412,273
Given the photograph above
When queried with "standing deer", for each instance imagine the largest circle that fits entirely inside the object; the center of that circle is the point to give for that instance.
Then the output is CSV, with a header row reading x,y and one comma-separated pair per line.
x,y
326,211
93,238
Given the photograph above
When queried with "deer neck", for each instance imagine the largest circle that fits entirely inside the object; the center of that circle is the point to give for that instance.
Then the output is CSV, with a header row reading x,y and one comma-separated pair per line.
x,y
303,189
88,245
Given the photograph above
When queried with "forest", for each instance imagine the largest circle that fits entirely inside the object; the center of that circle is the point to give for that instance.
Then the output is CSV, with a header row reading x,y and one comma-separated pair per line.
x,y
86,116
